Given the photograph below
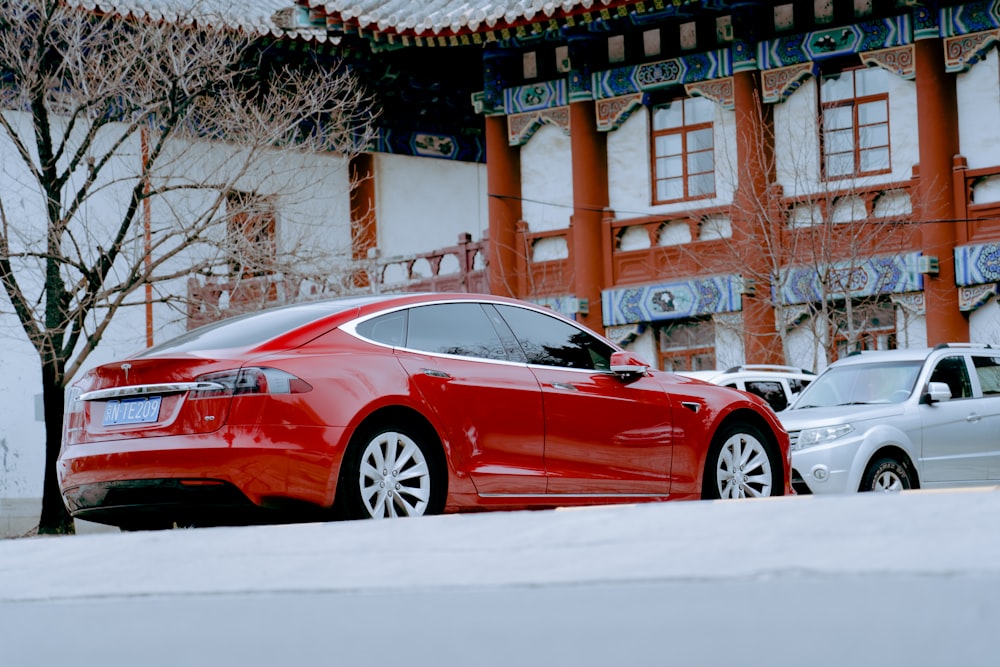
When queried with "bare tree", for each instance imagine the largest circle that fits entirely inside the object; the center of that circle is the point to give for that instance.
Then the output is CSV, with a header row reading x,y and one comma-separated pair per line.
x,y
839,241
133,157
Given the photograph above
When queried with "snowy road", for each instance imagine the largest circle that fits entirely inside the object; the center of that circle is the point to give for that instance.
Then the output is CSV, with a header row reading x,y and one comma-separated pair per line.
x,y
899,579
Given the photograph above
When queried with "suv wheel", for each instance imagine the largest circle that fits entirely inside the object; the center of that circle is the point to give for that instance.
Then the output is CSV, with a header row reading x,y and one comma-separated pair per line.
x,y
886,474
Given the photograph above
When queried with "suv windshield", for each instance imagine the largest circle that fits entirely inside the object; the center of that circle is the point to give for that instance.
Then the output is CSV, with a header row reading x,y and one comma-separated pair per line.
x,y
861,384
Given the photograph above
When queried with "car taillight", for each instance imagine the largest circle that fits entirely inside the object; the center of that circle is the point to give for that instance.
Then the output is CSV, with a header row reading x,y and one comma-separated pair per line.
x,y
246,381
72,414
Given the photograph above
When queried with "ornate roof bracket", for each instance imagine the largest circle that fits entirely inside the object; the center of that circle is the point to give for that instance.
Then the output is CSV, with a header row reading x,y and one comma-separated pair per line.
x,y
898,60
778,84
719,91
521,126
614,111
963,51
976,296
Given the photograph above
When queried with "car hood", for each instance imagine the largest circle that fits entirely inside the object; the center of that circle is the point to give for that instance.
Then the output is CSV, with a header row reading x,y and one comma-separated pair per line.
x,y
796,419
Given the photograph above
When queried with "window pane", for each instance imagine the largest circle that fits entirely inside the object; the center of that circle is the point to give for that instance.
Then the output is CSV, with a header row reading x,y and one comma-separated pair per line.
x,y
838,142
670,188
873,112
667,116
772,392
454,328
388,329
701,184
669,144
874,160
952,371
837,87
699,163
988,370
838,118
871,81
549,341
698,140
698,110
874,136
670,166
841,164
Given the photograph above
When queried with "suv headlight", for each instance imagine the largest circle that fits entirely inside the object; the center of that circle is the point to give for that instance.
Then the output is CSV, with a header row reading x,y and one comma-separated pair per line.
x,y
811,437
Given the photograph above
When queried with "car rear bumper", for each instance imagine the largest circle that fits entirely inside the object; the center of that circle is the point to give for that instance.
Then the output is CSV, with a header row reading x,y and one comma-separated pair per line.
x,y
150,503
232,471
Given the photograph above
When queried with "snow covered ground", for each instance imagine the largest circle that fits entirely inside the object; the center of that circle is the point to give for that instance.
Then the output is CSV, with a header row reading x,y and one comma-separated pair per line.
x,y
911,578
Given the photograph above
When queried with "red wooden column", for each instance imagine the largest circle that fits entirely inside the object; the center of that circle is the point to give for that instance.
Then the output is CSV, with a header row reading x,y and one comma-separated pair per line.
x,y
937,133
364,230
503,184
590,199
755,157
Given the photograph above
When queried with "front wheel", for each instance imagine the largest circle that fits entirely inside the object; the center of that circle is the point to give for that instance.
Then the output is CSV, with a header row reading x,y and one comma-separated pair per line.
x,y
741,464
886,474
391,472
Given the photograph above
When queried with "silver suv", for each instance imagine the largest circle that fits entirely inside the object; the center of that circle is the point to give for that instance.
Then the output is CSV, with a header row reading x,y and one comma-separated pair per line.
x,y
899,419
778,385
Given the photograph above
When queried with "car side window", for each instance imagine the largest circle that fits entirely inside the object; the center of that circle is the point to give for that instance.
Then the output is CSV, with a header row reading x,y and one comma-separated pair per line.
x,y
549,341
953,372
388,329
797,385
454,328
770,391
988,370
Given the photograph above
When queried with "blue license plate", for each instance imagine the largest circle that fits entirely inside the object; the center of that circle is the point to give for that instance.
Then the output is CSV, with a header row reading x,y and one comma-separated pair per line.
x,y
143,410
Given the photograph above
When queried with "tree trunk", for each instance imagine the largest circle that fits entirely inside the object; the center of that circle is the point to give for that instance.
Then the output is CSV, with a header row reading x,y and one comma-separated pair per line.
x,y
55,519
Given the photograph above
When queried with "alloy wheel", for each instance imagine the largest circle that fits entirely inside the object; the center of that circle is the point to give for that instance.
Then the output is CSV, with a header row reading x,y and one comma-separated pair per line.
x,y
394,478
743,469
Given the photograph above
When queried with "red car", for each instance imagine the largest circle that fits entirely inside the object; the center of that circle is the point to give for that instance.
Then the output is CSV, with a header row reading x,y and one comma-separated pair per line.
x,y
401,405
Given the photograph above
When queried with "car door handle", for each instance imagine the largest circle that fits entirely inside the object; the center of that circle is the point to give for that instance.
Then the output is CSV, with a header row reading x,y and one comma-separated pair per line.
x,y
430,372
563,385
973,417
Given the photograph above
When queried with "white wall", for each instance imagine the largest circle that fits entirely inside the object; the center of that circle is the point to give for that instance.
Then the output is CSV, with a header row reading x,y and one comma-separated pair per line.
x,y
629,167
423,204
984,323
547,180
978,110
797,140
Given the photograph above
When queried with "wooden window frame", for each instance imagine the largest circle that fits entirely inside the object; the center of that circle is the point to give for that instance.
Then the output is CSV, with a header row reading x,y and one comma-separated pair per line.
x,y
854,102
252,222
683,130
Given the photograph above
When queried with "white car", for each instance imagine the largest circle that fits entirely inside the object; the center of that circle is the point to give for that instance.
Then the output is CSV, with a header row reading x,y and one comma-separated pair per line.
x,y
899,419
778,385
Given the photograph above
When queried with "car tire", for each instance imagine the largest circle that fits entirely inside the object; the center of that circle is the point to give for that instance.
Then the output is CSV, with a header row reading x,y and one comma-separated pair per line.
x,y
886,474
390,471
742,463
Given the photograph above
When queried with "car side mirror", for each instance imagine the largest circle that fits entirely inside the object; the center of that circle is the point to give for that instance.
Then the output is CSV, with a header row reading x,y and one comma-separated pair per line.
x,y
627,365
937,392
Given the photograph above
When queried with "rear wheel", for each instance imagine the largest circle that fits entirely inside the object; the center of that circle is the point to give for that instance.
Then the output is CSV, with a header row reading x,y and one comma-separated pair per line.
x,y
741,463
886,474
391,471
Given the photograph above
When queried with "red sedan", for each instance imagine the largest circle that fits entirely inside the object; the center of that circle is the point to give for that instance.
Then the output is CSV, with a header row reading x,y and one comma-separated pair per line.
x,y
401,405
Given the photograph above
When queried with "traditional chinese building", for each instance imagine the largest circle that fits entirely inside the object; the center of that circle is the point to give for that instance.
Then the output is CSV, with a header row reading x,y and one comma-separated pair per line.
x,y
712,182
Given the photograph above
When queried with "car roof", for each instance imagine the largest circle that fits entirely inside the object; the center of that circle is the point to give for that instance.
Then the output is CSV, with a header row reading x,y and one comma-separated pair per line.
x,y
295,323
908,354
749,370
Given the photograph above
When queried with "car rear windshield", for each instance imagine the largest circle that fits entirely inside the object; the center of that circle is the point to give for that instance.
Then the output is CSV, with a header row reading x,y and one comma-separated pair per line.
x,y
861,384
255,328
